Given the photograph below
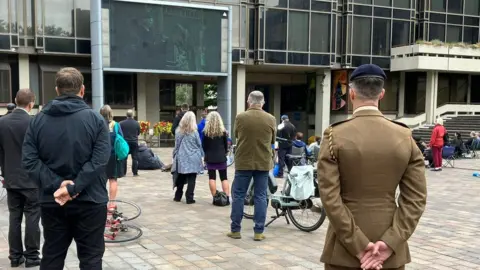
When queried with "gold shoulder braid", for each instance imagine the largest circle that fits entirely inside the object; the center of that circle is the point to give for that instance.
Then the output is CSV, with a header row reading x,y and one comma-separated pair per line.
x,y
330,143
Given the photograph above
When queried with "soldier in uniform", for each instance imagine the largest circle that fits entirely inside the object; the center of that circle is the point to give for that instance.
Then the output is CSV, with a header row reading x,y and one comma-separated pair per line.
x,y
362,161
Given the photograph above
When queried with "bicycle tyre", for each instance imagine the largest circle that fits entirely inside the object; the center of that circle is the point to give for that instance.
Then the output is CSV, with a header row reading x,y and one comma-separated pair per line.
x,y
139,210
251,204
312,228
130,227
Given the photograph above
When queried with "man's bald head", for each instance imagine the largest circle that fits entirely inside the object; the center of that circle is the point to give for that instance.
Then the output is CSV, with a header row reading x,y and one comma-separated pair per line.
x,y
25,98
130,113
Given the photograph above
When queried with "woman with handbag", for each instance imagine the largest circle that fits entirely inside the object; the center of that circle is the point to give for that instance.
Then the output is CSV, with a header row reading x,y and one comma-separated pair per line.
x,y
215,147
114,169
187,157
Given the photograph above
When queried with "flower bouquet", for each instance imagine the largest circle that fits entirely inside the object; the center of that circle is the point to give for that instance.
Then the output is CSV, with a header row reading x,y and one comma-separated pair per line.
x,y
162,127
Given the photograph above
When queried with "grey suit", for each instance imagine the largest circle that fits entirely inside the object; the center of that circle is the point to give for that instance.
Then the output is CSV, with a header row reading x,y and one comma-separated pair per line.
x,y
22,192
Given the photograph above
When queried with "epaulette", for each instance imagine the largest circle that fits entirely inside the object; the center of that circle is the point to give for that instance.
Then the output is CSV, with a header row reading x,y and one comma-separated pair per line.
x,y
398,123
340,122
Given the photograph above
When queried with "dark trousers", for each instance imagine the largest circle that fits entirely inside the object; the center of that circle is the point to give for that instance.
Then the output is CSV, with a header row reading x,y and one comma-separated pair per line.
x,y
133,146
283,160
183,179
80,221
20,202
437,156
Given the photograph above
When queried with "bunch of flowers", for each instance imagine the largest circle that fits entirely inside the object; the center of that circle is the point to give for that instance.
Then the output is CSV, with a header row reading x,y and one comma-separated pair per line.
x,y
144,127
162,127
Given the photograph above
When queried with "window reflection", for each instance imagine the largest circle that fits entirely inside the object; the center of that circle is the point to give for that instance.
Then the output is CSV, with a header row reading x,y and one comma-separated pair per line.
x,y
454,33
320,33
82,20
455,6
235,26
59,18
470,35
402,31
472,7
381,37
438,5
118,89
4,16
437,32
362,28
298,31
5,95
276,29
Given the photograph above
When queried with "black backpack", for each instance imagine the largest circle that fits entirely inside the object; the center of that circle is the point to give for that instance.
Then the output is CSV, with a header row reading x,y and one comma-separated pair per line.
x,y
220,199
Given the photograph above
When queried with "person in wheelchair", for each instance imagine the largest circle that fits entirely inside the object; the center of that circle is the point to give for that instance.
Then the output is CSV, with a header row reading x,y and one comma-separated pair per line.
x,y
300,151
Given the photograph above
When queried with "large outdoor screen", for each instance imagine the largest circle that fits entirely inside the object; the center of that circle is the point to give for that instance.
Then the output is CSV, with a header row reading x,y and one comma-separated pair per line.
x,y
149,36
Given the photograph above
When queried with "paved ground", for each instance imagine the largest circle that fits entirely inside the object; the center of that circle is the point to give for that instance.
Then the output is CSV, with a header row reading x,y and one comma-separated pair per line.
x,y
180,236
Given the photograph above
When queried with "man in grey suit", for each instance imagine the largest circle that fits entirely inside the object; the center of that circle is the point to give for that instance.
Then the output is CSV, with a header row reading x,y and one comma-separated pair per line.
x,y
22,192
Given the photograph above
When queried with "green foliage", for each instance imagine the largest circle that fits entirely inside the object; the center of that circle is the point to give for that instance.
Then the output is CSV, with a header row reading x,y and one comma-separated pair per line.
x,y
183,94
210,95
439,43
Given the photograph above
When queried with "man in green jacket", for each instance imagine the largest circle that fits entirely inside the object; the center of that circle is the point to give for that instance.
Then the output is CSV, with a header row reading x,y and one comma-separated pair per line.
x,y
255,134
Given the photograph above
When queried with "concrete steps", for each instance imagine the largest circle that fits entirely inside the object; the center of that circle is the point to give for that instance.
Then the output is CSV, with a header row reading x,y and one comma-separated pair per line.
x,y
461,124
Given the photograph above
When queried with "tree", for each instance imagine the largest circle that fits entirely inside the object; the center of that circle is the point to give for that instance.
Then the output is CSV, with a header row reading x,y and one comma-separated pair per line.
x,y
210,95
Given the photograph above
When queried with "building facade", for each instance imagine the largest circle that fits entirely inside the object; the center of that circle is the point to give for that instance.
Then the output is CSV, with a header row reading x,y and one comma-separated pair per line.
x,y
300,53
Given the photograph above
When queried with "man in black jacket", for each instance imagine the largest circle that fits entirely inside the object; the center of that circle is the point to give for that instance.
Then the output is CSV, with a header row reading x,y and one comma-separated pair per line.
x,y
10,108
287,132
178,117
22,191
66,149
131,131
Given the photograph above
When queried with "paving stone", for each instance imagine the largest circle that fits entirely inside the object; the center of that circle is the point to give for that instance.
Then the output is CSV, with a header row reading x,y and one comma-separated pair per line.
x,y
180,236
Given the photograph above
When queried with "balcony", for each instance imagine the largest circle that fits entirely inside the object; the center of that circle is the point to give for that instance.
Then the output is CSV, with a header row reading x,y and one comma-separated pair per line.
x,y
436,56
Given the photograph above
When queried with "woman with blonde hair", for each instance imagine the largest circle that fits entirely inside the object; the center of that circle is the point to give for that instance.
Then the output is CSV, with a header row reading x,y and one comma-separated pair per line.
x,y
114,168
215,147
187,157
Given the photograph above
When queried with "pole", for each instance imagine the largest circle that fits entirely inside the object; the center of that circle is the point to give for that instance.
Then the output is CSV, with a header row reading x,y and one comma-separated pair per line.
x,y
229,73
97,54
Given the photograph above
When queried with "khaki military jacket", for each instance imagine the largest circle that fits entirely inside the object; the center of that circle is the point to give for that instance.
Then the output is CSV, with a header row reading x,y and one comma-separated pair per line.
x,y
361,163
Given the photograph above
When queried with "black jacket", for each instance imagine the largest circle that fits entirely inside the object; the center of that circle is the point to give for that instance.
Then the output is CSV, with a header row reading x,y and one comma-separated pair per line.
x,y
147,160
130,129
12,131
68,141
215,149
176,121
288,132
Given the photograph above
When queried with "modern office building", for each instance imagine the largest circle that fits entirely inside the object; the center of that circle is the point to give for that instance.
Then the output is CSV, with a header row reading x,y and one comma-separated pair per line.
x,y
300,53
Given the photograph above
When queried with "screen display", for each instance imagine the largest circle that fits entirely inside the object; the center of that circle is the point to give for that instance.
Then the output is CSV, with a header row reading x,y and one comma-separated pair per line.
x,y
162,37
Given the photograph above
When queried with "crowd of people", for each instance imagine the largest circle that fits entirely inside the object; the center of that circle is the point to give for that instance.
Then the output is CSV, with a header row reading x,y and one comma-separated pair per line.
x,y
59,163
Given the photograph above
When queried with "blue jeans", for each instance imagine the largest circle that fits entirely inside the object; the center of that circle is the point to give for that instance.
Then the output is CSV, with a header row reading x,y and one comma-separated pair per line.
x,y
239,190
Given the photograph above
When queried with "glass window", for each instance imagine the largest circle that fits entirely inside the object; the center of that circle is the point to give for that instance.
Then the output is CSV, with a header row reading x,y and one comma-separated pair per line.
x,y
387,3
438,17
5,42
38,17
5,94
4,16
401,30
472,7
48,87
119,89
30,10
436,32
362,10
243,26
319,59
183,93
235,26
363,1
401,14
275,57
298,31
84,46
60,45
360,60
320,33
59,18
455,6
454,33
401,3
82,20
381,37
438,5
251,28
454,19
276,3
276,29
382,12
361,35
473,21
298,58
299,4
21,26
470,35
321,6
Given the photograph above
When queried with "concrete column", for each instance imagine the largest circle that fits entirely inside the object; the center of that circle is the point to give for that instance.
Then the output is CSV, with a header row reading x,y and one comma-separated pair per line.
x,y
141,97
23,71
238,91
152,98
322,101
469,89
401,95
200,92
277,101
431,96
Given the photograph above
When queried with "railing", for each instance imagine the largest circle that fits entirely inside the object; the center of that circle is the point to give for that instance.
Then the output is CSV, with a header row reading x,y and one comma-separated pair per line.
x,y
451,110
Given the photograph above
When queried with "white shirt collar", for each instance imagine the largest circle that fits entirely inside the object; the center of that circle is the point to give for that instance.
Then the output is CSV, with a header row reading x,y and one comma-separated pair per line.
x,y
366,108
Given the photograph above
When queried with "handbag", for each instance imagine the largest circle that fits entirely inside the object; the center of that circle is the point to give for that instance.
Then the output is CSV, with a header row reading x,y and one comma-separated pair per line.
x,y
121,146
174,168
220,199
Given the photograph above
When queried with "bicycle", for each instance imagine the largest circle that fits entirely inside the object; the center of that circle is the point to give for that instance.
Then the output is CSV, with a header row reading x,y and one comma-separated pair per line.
x,y
284,204
116,230
230,153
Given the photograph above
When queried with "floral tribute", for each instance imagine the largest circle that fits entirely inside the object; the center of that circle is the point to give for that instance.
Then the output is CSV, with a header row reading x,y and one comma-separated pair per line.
x,y
144,127
162,127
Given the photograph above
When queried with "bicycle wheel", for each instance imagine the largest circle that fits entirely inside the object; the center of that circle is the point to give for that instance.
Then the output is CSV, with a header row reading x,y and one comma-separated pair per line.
x,y
312,208
125,210
125,233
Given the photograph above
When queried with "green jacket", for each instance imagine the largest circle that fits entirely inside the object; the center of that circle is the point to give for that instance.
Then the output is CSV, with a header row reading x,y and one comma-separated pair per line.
x,y
255,132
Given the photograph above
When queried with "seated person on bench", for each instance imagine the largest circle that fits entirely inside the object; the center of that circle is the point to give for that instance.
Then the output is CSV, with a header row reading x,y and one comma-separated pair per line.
x,y
427,152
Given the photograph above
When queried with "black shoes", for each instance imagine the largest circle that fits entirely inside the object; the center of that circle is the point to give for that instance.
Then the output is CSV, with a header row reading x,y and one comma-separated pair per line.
x,y
191,202
17,262
32,263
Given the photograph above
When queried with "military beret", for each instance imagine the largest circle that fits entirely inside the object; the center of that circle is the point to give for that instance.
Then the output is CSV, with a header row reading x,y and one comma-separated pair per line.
x,y
368,70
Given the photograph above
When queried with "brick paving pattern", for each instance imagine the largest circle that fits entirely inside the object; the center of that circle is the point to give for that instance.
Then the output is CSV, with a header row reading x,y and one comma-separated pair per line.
x,y
180,236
